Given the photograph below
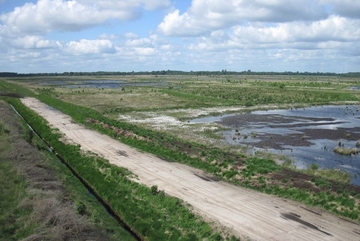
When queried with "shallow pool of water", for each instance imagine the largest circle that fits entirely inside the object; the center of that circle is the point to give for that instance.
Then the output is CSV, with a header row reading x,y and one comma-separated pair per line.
x,y
306,135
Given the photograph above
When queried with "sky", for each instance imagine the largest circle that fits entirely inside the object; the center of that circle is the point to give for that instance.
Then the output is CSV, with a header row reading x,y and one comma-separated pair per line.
x,y
48,36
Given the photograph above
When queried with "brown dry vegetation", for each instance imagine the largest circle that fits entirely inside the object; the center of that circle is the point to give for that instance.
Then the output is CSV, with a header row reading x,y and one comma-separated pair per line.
x,y
50,214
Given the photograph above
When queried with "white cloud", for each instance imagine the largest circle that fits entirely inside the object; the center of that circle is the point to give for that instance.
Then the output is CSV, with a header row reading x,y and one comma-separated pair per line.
x,y
139,42
131,35
60,15
145,51
293,35
346,8
205,16
109,36
166,47
274,35
30,55
85,46
33,42
125,4
334,28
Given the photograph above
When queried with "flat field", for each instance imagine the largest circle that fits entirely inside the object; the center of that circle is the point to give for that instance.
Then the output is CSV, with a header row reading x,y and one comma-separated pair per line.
x,y
167,103
154,113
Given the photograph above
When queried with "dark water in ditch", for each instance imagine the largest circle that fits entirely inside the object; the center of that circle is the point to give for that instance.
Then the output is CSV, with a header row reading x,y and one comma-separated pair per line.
x,y
306,135
90,190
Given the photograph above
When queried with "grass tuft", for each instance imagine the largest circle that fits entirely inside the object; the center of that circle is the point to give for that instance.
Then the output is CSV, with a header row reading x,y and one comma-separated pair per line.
x,y
346,151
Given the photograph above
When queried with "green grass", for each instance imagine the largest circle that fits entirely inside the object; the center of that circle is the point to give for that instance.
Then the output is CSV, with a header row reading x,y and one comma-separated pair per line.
x,y
213,160
332,174
21,200
8,87
260,95
14,217
205,92
157,217
218,161
83,202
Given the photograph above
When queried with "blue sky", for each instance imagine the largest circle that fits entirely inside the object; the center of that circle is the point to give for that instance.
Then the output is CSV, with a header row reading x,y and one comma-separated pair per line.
x,y
143,35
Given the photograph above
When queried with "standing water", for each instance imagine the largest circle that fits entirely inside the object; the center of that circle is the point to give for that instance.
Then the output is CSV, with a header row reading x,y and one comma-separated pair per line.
x,y
306,135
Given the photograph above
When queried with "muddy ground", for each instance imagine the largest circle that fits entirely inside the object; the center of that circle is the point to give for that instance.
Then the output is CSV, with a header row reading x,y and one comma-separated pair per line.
x,y
278,141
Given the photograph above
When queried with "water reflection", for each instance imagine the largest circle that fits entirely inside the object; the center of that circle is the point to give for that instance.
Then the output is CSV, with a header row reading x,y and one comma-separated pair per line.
x,y
307,135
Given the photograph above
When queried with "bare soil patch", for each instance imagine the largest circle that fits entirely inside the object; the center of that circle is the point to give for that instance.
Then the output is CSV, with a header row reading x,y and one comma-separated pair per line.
x,y
247,213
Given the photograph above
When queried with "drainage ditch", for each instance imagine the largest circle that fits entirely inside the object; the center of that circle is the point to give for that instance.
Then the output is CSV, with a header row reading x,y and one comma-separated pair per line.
x,y
91,191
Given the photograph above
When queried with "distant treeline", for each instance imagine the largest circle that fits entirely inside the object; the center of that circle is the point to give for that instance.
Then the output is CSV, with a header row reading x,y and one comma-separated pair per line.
x,y
178,72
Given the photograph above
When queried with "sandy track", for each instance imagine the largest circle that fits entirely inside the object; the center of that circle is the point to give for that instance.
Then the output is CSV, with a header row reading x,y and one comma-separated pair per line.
x,y
248,213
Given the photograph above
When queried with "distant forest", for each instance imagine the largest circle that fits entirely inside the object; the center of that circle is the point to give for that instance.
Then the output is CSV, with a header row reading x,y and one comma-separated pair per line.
x,y
177,72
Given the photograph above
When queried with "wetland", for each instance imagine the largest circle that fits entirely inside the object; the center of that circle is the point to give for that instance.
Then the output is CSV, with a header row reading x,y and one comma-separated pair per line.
x,y
234,128
306,135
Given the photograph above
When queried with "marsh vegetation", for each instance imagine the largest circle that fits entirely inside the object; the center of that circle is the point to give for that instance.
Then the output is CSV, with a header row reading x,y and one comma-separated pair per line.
x,y
155,118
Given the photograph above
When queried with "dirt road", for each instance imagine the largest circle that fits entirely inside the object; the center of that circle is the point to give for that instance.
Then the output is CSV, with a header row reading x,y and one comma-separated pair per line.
x,y
248,213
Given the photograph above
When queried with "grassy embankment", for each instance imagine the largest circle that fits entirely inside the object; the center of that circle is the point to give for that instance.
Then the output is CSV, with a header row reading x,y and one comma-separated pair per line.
x,y
13,218
257,173
151,213
39,198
